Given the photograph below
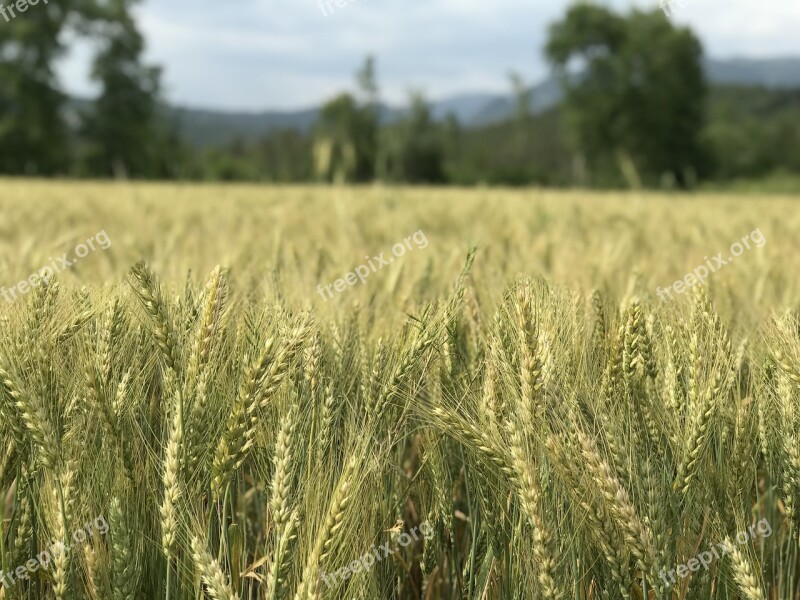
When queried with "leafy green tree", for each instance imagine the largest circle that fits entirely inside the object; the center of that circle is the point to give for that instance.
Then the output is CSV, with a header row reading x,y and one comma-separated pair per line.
x,y
414,149
368,84
522,99
34,138
369,123
336,140
286,156
635,91
753,132
124,131
522,121
346,136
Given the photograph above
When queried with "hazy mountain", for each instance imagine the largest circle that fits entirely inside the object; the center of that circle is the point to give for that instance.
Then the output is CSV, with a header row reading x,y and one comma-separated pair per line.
x,y
543,96
780,73
214,128
776,73
466,108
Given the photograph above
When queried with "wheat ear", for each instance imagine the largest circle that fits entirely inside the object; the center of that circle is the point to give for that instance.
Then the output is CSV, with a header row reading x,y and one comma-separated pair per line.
x,y
92,561
61,495
461,429
704,409
261,381
530,500
36,419
529,405
279,500
211,573
614,551
743,573
210,321
309,585
123,570
172,480
327,415
147,290
619,505
283,540
24,529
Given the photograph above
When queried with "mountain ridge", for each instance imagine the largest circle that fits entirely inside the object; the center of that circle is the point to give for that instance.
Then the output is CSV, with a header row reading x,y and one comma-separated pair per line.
x,y
204,127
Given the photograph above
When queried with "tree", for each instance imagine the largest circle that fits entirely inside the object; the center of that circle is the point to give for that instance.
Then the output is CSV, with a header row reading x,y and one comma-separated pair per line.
x,y
413,150
346,136
522,120
369,123
367,82
123,130
336,137
33,135
522,98
635,91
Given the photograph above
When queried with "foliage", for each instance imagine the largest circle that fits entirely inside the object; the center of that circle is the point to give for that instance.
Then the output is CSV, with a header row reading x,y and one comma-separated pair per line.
x,y
412,151
33,135
346,134
121,131
639,95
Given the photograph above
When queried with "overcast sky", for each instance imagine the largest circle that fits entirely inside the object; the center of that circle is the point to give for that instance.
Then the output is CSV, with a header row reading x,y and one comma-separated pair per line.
x,y
286,54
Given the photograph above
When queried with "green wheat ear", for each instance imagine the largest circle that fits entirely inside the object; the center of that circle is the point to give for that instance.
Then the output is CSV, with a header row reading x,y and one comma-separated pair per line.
x,y
215,580
148,291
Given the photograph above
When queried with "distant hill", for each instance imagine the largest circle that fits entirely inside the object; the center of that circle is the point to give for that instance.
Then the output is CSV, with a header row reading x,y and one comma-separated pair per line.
x,y
203,128
781,73
467,108
543,96
774,73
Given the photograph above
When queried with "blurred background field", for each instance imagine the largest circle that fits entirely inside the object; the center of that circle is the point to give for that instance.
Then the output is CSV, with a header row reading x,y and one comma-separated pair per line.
x,y
288,240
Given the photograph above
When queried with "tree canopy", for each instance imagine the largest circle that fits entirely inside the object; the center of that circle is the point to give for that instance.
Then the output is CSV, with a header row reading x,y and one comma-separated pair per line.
x,y
635,91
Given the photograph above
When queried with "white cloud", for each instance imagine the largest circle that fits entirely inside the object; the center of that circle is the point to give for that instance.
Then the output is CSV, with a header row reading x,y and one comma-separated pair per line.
x,y
282,54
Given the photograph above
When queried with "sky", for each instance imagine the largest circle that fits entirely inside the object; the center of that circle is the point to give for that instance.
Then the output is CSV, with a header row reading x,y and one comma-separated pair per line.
x,y
254,55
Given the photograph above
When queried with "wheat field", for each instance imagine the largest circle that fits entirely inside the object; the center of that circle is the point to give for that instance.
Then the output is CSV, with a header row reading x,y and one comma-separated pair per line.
x,y
507,411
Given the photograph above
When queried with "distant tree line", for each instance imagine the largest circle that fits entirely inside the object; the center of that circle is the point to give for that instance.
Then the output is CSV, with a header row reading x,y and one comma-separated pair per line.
x,y
637,111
